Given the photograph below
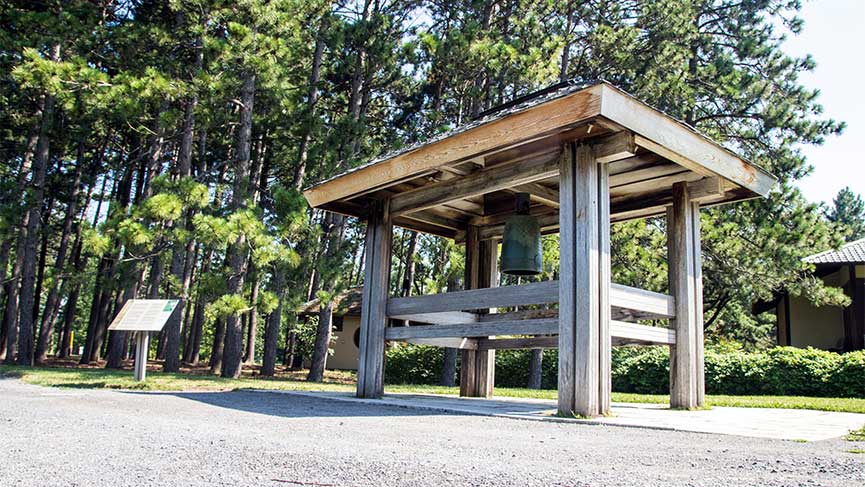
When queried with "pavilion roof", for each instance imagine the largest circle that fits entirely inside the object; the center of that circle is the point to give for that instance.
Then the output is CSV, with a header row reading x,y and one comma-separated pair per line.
x,y
650,152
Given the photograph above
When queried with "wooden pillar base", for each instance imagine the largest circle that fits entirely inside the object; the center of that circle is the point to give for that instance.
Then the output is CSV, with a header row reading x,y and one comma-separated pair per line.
x,y
373,315
478,367
584,287
687,383
477,373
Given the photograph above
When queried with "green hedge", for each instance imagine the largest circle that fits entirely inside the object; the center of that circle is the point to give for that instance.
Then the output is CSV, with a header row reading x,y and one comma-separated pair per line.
x,y
784,371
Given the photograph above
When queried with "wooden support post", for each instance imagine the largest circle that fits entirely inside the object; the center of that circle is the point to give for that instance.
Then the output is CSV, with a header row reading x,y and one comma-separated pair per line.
x,y
687,385
142,346
605,346
477,369
373,315
584,289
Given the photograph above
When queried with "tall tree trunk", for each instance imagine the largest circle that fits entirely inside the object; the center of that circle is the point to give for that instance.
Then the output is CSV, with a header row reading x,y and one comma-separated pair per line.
x,y
566,49
271,332
237,253
536,368
252,330
216,350
312,101
334,226
52,302
40,269
11,285
34,204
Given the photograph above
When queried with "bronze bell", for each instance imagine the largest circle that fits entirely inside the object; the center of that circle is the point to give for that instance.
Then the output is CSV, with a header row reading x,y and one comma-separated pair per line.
x,y
521,243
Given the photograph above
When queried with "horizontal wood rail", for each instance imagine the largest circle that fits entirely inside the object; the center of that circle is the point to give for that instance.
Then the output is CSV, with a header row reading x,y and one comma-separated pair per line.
x,y
533,293
636,333
475,336
448,308
543,326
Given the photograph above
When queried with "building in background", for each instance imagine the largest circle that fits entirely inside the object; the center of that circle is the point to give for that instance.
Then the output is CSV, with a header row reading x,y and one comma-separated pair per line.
x,y
802,324
346,328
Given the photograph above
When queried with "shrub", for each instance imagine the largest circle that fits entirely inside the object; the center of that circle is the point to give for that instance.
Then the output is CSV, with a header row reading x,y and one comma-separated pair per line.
x,y
785,371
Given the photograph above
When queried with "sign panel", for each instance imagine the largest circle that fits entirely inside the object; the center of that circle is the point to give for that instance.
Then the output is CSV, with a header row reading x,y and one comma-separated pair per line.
x,y
144,315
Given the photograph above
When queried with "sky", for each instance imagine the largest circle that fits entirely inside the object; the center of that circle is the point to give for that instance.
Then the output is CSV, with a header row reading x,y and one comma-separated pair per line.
x,y
834,35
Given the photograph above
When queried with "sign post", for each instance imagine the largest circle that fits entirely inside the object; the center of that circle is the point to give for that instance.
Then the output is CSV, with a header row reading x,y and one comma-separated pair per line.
x,y
142,316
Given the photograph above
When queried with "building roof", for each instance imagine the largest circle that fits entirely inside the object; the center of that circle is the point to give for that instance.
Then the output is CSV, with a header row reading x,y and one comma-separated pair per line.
x,y
850,253
466,176
345,303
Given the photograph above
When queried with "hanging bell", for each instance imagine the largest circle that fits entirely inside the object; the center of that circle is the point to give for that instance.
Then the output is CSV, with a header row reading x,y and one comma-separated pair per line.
x,y
521,243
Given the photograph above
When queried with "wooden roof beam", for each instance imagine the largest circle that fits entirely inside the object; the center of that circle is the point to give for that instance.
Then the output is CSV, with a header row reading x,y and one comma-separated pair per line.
x,y
474,184
681,144
540,194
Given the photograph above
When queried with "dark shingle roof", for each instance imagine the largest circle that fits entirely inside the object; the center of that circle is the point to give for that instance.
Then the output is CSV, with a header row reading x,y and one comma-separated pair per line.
x,y
851,253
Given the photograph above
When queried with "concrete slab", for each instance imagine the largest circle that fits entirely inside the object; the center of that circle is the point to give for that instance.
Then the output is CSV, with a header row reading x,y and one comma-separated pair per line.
x,y
783,424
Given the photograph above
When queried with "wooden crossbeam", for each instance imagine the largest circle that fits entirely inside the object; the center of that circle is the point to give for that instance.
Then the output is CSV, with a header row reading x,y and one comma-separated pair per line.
x,y
474,184
440,318
542,326
653,304
540,193
615,147
448,308
533,293
517,343
642,333
459,336
459,343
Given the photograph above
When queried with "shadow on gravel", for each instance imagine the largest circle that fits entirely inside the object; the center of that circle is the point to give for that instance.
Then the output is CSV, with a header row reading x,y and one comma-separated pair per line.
x,y
291,406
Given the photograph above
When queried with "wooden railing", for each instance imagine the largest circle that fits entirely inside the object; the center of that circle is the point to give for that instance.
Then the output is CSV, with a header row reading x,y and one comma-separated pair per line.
x,y
446,313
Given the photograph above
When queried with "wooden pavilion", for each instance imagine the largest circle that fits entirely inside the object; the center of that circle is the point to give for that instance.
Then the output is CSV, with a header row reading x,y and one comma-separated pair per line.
x,y
588,155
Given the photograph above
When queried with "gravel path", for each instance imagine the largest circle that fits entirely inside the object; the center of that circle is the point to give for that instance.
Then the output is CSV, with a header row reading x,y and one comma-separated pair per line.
x,y
114,438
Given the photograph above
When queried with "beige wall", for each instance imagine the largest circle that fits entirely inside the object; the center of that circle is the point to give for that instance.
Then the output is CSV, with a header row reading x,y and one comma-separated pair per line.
x,y
818,327
345,353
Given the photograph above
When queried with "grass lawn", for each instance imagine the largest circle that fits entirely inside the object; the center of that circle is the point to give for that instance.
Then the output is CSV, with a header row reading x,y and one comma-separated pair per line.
x,y
344,381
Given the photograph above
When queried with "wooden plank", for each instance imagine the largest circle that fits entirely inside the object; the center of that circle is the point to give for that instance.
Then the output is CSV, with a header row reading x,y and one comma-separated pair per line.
x,y
680,248
680,143
426,227
441,318
706,191
431,216
653,304
656,184
517,343
458,343
540,194
541,326
477,370
646,173
642,333
549,118
635,163
698,303
373,315
533,293
605,361
578,295
649,304
474,184
614,147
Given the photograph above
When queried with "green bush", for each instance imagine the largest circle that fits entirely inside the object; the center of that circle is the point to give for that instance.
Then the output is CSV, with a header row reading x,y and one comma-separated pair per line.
x,y
784,371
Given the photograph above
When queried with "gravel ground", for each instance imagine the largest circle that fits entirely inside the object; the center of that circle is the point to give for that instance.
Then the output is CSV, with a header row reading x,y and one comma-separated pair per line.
x,y
115,438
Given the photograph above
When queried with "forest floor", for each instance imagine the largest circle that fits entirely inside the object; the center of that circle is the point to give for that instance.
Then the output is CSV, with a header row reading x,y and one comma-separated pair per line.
x,y
67,373
240,438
